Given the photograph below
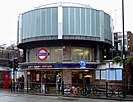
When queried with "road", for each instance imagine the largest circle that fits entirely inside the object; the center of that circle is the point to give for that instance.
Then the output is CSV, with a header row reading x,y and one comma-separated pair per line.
x,y
13,97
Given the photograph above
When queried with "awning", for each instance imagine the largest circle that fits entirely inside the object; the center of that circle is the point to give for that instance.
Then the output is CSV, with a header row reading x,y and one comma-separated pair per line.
x,y
88,76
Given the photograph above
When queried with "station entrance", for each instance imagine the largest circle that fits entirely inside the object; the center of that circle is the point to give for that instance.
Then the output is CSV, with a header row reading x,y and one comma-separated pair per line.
x,y
52,79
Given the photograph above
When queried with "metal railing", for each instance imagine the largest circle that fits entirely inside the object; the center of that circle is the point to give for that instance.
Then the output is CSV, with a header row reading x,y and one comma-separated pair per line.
x,y
107,90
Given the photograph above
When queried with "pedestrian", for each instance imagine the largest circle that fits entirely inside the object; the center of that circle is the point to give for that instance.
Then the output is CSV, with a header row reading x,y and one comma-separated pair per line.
x,y
19,83
59,83
22,82
45,85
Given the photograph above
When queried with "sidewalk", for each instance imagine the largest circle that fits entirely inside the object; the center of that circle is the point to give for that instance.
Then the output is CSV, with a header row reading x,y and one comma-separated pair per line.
x,y
128,97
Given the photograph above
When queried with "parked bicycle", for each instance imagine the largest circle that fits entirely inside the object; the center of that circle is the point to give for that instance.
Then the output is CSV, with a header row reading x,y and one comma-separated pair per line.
x,y
36,88
18,87
71,90
118,91
75,90
67,89
85,91
99,91
109,92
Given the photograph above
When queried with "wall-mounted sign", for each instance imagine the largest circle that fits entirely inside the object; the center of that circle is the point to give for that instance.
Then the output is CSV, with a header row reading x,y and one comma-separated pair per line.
x,y
42,54
83,63
73,66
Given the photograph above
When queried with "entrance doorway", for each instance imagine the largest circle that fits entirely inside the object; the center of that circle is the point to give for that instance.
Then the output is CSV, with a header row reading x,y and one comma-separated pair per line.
x,y
80,77
46,79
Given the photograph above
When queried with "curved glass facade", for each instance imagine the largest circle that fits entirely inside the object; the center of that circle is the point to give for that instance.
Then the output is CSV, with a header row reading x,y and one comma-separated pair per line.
x,y
71,21
41,22
81,21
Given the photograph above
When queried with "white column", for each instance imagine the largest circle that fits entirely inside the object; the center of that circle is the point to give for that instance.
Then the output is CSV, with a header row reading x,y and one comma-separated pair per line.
x,y
60,18
101,25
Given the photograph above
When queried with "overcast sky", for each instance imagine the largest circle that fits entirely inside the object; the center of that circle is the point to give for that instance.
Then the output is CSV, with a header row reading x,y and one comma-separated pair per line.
x,y
10,10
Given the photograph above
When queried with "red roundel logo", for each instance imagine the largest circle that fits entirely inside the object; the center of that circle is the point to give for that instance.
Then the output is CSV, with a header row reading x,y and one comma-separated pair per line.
x,y
42,54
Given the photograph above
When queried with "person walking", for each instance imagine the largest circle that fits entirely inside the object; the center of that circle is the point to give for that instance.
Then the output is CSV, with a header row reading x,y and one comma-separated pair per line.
x,y
22,82
59,83
45,83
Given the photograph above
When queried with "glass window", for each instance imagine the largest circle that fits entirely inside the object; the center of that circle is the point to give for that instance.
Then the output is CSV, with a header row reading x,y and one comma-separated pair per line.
x,y
107,27
54,21
65,21
100,74
71,20
30,25
77,15
119,74
43,22
93,22
103,74
88,21
82,53
68,53
87,54
33,26
77,54
34,14
56,54
109,74
38,22
125,42
97,74
49,21
97,24
82,21
114,74
92,55
23,30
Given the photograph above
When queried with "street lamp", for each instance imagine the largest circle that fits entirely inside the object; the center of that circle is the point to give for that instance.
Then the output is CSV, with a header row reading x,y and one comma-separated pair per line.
x,y
123,57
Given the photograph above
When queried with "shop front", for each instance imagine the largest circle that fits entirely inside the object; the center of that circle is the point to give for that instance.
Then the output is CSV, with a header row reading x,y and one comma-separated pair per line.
x,y
54,75
52,67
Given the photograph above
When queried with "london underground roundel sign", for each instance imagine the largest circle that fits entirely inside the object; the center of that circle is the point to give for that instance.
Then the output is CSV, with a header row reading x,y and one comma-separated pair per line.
x,y
42,54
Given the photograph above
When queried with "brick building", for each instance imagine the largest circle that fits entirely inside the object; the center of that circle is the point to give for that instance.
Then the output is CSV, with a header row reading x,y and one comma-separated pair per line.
x,y
118,43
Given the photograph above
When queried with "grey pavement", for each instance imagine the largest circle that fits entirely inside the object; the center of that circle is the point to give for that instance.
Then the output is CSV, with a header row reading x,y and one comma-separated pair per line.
x,y
7,96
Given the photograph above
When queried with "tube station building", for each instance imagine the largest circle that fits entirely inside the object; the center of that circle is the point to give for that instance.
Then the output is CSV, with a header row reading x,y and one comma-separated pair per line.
x,y
66,39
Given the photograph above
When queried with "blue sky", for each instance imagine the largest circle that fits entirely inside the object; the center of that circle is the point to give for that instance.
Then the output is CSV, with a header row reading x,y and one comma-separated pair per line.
x,y
10,10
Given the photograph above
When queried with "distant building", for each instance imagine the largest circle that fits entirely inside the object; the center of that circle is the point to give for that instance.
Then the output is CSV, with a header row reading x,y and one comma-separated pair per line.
x,y
6,54
118,43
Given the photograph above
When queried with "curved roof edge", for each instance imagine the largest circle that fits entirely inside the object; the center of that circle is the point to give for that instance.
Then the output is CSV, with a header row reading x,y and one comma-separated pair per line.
x,y
64,4
57,4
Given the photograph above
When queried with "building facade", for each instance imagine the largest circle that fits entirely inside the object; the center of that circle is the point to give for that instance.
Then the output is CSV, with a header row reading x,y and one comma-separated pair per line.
x,y
7,54
67,39
118,43
118,51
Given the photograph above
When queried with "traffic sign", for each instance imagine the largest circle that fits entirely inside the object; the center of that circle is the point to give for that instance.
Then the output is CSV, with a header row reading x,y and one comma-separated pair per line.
x,y
42,54
83,63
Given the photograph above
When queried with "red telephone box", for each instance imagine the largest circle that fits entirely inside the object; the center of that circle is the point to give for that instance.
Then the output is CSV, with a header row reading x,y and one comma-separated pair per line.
x,y
6,80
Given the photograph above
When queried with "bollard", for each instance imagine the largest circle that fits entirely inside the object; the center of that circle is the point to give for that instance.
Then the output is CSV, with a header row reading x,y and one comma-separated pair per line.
x,y
44,89
11,86
62,87
14,86
106,89
27,87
